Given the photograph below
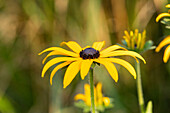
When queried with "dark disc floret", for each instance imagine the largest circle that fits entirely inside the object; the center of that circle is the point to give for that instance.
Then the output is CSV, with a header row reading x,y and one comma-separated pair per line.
x,y
89,53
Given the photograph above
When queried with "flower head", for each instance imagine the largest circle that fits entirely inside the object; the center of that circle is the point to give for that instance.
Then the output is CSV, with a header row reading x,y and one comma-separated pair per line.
x,y
166,41
100,100
164,16
135,41
81,59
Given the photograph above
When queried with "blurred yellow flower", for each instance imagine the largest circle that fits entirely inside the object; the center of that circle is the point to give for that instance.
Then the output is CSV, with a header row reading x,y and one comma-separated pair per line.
x,y
81,60
163,14
135,40
166,41
98,96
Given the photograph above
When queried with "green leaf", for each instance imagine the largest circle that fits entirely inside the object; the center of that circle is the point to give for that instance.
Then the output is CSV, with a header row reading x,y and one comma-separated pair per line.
x,y
148,46
149,107
124,43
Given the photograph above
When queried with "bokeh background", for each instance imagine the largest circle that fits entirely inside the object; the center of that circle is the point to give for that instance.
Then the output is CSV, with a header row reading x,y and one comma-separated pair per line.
x,y
29,26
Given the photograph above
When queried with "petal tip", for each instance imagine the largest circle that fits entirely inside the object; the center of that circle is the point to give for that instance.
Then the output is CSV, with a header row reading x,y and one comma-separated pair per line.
x,y
157,49
82,78
64,86
134,76
62,43
116,80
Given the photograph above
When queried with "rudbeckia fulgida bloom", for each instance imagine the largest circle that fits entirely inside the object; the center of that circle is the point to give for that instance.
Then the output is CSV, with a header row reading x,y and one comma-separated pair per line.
x,y
81,59
100,100
135,41
166,41
164,17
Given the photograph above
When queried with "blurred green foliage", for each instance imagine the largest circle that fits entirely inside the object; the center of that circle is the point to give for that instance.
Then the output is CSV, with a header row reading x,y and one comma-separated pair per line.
x,y
29,26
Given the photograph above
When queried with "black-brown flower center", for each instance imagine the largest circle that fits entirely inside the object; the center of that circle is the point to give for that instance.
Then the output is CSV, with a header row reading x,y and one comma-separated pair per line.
x,y
89,53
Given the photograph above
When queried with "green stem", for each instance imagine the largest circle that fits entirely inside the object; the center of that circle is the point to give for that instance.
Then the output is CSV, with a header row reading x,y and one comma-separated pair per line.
x,y
139,89
92,90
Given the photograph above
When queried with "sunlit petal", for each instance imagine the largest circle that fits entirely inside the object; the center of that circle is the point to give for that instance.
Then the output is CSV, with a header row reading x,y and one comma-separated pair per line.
x,y
85,66
166,54
60,51
80,97
124,63
73,46
167,6
111,48
57,68
48,49
110,68
163,43
161,16
71,72
98,45
120,53
55,61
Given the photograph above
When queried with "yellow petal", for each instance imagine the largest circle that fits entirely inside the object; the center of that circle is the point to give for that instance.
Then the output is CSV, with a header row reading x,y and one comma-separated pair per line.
x,y
124,63
136,32
57,68
163,43
167,6
85,66
55,61
73,46
143,39
80,97
132,42
166,54
99,94
48,49
121,52
127,41
139,40
161,16
60,51
132,39
87,94
127,34
106,101
110,68
111,48
71,72
98,45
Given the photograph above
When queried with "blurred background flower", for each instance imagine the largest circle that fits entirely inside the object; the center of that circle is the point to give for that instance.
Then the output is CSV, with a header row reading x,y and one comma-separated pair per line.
x,y
136,41
165,17
101,102
28,26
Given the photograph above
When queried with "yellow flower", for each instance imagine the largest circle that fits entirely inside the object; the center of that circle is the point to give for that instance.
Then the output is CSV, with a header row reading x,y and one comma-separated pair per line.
x,y
81,59
166,41
98,96
135,40
163,14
